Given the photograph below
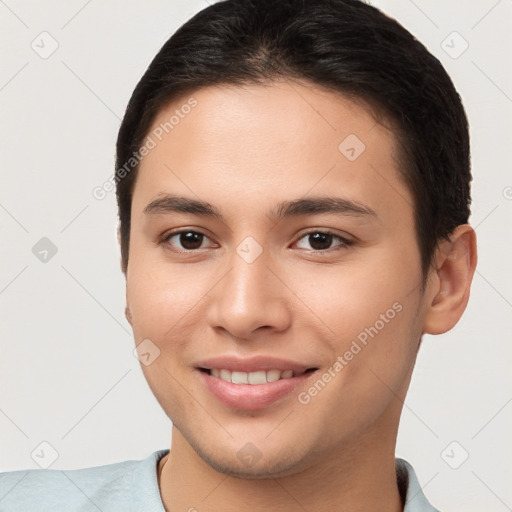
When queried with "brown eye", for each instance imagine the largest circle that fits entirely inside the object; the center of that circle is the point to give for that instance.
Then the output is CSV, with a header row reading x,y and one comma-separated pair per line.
x,y
322,241
188,240
191,240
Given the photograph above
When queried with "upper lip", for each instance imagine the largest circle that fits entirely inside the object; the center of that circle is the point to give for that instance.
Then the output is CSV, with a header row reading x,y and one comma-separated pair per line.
x,y
253,364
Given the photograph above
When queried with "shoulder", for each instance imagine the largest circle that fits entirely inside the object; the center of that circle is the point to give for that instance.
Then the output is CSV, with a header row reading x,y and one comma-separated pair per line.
x,y
128,485
410,489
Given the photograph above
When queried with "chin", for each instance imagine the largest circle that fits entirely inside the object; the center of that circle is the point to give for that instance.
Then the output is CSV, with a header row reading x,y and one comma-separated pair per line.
x,y
260,471
249,463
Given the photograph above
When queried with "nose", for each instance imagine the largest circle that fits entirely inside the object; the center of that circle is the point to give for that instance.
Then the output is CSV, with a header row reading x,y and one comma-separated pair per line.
x,y
250,299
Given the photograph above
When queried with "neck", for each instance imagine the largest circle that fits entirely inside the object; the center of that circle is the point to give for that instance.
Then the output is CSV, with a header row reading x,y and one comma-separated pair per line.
x,y
357,476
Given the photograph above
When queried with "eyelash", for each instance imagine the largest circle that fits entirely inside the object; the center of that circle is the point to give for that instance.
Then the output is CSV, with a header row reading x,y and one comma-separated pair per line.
x,y
345,242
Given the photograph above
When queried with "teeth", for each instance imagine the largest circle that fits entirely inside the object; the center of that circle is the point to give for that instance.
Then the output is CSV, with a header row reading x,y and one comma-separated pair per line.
x,y
239,378
256,377
259,377
273,375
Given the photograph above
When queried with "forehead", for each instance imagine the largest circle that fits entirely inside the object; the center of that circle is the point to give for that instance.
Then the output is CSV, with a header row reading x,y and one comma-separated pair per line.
x,y
258,142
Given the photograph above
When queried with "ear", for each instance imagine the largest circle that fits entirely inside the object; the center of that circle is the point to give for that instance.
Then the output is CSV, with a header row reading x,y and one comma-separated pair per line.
x,y
450,280
128,314
123,270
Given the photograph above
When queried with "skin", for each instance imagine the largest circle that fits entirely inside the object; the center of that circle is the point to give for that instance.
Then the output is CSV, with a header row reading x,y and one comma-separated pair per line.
x,y
243,150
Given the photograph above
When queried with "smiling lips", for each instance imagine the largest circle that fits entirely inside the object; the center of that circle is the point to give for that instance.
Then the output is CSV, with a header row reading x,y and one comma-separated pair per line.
x,y
257,377
253,383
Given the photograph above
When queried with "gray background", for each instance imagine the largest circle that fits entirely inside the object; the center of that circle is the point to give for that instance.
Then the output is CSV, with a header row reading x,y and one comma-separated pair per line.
x,y
68,376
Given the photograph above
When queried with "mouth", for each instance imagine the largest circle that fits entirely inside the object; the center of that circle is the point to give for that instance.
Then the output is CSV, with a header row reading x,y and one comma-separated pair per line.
x,y
253,390
254,378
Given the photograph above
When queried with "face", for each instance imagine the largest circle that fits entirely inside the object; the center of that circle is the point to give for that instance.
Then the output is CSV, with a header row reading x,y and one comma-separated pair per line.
x,y
302,248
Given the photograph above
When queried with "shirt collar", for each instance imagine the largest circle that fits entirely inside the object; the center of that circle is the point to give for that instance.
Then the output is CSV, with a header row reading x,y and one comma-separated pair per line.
x,y
410,490
408,485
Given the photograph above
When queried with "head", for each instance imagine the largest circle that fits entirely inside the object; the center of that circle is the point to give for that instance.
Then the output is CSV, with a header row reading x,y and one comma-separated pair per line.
x,y
314,157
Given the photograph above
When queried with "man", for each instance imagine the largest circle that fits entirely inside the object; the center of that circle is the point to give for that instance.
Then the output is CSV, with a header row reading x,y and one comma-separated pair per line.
x,y
293,189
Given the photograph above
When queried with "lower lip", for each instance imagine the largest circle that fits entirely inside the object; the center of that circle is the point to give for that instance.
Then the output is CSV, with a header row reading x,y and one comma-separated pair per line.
x,y
252,396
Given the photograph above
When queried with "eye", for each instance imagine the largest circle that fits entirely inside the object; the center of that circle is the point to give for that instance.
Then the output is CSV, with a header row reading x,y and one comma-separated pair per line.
x,y
188,239
322,241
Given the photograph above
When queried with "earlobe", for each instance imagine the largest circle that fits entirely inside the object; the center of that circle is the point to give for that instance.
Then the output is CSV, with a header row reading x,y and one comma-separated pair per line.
x,y
450,283
128,314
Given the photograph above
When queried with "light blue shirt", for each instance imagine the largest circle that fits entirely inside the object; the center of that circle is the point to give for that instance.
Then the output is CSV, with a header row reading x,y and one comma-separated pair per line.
x,y
129,486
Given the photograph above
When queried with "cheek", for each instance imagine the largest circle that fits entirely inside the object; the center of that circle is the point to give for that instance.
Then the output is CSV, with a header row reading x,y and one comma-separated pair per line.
x,y
164,302
351,296
161,295
369,311
372,347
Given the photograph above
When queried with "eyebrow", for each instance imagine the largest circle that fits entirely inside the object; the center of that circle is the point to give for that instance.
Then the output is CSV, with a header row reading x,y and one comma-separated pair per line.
x,y
169,203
